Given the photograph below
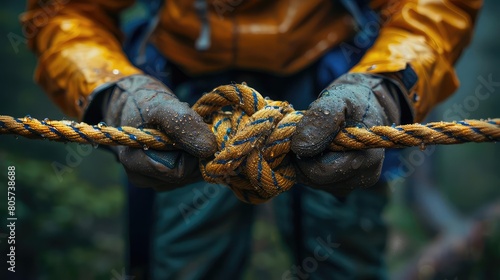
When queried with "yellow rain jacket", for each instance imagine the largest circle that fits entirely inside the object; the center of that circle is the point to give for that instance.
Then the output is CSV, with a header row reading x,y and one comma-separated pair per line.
x,y
78,42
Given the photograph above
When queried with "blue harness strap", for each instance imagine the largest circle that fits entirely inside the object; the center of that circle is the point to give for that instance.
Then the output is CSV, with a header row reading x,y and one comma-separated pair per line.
x,y
346,55
137,47
139,215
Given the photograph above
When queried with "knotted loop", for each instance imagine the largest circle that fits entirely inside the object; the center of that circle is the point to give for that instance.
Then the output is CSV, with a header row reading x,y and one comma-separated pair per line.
x,y
253,140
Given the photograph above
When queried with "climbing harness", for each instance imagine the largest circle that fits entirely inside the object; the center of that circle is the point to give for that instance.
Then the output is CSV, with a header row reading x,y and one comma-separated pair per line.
x,y
254,138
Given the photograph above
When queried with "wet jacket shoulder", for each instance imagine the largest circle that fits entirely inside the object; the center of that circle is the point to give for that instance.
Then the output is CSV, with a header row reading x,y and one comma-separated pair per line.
x,y
428,35
78,48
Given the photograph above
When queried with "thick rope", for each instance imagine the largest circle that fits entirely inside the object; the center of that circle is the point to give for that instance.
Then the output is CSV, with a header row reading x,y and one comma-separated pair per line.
x,y
254,138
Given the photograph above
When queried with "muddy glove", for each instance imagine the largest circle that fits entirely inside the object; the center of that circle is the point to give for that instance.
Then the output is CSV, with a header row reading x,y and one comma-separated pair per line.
x,y
352,100
141,101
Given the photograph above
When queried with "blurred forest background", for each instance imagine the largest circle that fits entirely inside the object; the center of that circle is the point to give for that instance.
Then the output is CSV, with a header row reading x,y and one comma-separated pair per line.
x,y
70,203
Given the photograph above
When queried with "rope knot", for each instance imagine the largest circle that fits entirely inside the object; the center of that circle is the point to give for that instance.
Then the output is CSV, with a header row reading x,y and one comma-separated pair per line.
x,y
253,138
254,157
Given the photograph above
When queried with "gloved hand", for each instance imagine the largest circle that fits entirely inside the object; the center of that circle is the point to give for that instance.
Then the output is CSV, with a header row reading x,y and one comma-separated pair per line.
x,y
141,101
352,100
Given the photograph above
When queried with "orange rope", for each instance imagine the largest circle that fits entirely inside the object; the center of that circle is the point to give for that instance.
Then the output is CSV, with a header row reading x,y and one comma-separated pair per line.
x,y
254,138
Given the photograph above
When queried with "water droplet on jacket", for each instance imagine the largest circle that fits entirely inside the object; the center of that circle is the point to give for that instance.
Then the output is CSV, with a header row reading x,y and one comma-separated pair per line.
x,y
298,157
183,131
145,147
326,112
17,137
42,135
415,97
95,145
176,127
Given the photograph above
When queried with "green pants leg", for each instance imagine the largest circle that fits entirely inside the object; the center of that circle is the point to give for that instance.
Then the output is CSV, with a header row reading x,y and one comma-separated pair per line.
x,y
332,238
201,231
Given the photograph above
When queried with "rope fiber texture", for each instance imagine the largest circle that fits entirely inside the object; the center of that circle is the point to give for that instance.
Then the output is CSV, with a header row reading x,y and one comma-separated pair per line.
x,y
254,138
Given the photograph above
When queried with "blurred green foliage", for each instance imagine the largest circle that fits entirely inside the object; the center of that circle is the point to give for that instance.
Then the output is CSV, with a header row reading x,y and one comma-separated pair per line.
x,y
65,228
70,224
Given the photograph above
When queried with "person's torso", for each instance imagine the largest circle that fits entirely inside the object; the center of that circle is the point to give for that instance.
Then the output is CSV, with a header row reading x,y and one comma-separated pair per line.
x,y
281,36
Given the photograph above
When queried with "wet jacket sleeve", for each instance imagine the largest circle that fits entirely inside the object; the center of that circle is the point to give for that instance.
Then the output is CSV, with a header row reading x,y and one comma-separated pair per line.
x,y
78,48
429,36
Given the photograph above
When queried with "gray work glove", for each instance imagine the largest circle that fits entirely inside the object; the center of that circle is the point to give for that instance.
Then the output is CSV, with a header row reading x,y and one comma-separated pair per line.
x,y
352,100
143,102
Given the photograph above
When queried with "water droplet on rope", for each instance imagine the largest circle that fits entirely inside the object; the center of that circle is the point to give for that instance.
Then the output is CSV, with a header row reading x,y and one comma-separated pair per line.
x,y
101,125
145,147
46,120
326,112
27,118
422,146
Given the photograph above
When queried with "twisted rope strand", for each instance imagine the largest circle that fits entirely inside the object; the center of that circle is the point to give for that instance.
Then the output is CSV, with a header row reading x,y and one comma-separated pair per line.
x,y
254,138
350,138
